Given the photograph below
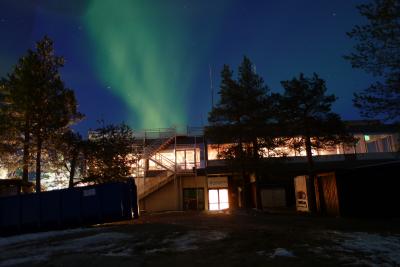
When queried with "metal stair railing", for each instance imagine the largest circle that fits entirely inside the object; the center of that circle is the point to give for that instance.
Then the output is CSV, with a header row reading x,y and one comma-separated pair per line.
x,y
156,146
152,184
161,138
163,161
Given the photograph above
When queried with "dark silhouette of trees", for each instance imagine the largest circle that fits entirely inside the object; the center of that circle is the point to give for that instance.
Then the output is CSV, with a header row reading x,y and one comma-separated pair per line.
x,y
39,106
378,52
68,153
241,118
8,147
110,153
307,119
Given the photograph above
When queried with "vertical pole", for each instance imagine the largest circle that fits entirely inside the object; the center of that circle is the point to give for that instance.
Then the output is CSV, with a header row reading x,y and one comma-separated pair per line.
x,y
211,87
195,174
175,169
365,144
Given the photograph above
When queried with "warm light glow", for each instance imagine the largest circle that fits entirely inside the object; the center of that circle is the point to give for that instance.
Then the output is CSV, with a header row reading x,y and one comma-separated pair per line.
x,y
218,199
223,199
213,199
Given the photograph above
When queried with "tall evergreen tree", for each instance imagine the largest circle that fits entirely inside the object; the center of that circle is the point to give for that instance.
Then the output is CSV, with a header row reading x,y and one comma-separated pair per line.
x,y
377,51
305,110
240,118
40,106
8,147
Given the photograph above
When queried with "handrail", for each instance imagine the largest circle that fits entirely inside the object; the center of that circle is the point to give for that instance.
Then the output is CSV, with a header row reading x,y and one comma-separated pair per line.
x,y
171,168
160,180
155,133
164,158
171,131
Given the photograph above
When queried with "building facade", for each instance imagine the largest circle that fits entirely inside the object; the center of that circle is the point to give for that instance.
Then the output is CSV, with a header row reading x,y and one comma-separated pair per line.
x,y
182,171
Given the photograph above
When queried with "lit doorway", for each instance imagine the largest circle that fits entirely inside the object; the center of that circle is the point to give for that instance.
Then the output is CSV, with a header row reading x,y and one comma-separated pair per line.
x,y
218,199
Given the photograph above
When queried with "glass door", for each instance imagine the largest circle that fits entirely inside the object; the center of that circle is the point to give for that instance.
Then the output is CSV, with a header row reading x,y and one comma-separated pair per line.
x,y
218,199
193,199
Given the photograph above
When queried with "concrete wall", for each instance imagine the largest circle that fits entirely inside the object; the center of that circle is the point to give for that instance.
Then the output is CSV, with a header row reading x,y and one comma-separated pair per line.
x,y
164,199
169,197
196,182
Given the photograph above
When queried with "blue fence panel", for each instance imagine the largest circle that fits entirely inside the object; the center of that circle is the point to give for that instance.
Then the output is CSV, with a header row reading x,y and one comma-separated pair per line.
x,y
71,207
30,211
10,214
91,206
50,209
111,203
68,207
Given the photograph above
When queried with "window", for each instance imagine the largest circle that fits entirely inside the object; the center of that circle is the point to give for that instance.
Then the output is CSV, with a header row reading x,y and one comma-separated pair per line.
x,y
218,199
193,199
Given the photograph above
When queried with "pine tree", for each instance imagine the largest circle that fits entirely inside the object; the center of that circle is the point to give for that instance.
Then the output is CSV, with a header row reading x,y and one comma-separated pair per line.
x,y
377,52
241,118
307,119
40,106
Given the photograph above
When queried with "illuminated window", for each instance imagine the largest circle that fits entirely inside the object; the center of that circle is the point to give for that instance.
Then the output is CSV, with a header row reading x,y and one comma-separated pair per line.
x,y
218,199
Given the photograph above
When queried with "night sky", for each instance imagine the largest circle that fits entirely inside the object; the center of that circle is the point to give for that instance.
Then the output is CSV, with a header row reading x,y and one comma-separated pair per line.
x,y
147,62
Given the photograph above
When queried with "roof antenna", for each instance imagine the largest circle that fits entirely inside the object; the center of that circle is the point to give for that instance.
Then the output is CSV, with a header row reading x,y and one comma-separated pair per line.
x,y
211,87
254,69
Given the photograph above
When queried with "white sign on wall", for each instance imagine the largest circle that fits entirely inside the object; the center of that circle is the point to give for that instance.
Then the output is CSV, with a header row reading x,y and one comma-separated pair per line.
x,y
300,187
217,182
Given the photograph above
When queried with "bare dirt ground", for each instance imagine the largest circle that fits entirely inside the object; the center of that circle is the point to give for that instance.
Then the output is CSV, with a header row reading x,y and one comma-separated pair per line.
x,y
213,239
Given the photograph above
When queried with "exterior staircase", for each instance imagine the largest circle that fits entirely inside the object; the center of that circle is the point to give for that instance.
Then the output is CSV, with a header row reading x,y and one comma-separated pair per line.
x,y
149,184
156,145
163,162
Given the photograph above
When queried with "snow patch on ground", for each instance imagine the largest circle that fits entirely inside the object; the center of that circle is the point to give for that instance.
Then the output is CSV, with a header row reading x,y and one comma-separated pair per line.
x,y
125,252
39,247
11,240
21,251
22,260
90,243
359,248
278,252
156,250
215,235
187,241
281,252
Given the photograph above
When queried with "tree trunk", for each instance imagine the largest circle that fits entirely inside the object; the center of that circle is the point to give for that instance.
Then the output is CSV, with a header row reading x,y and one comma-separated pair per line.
x,y
38,164
72,169
311,174
25,159
245,178
256,165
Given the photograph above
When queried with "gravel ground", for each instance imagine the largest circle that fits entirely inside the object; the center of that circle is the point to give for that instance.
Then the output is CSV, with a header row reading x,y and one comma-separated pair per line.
x,y
212,239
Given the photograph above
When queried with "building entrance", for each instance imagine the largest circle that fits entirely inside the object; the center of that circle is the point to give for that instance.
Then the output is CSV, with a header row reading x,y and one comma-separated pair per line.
x,y
218,199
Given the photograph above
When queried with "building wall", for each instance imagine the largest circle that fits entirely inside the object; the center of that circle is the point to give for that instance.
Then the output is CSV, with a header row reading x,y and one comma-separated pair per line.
x,y
196,182
164,199
367,143
170,197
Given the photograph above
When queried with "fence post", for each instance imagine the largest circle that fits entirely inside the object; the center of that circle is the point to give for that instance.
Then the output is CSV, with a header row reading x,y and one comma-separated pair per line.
x,y
39,195
133,198
20,214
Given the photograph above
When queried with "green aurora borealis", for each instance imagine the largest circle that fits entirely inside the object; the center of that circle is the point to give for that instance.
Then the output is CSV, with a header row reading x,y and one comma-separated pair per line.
x,y
146,62
142,57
